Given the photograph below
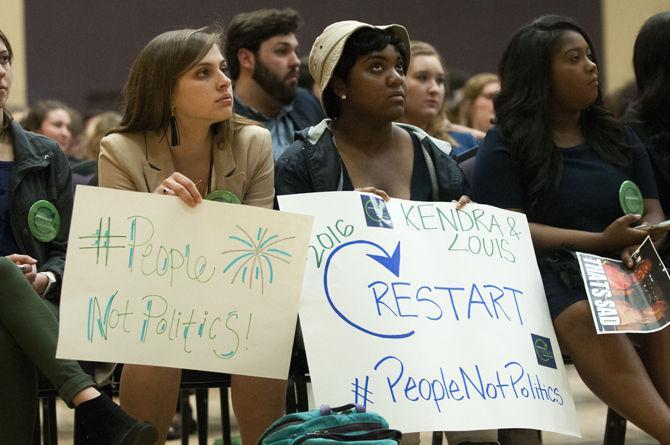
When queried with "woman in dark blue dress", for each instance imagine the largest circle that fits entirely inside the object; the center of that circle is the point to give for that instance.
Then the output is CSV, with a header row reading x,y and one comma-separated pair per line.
x,y
558,156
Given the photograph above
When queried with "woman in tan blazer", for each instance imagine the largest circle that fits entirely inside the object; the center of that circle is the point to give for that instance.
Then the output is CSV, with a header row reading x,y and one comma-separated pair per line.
x,y
179,136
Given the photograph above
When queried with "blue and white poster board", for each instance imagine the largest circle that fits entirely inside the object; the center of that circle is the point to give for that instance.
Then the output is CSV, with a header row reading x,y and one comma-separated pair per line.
x,y
149,280
434,317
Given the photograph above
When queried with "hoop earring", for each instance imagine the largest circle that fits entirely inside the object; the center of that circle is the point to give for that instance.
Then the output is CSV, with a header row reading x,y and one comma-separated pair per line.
x,y
174,130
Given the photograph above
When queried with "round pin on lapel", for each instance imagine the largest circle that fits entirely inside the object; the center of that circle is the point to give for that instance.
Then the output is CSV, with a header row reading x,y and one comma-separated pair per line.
x,y
43,221
223,196
630,198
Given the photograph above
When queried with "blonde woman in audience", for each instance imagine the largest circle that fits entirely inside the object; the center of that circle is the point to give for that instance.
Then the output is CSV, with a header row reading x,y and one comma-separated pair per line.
x,y
424,105
96,128
179,137
86,171
476,109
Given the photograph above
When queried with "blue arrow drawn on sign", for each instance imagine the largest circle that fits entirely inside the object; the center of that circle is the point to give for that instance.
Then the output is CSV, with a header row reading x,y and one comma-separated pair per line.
x,y
390,262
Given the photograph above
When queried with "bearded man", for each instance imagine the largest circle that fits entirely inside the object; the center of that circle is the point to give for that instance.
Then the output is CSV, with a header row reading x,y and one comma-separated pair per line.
x,y
262,53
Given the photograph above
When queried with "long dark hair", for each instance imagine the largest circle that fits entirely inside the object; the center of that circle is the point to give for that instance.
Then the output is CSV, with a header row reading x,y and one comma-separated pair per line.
x,y
651,58
522,111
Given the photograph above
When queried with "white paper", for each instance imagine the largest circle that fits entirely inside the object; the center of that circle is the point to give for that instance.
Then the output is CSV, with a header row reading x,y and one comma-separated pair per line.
x,y
149,280
430,322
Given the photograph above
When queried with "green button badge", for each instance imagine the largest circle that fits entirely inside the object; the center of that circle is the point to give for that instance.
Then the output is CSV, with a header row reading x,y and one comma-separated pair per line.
x,y
223,196
630,198
43,221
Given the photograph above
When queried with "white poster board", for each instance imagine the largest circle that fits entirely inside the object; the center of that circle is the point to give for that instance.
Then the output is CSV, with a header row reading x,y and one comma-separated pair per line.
x,y
434,317
149,280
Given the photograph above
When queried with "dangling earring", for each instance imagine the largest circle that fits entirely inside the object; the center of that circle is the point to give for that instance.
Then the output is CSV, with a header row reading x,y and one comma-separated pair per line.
x,y
174,130
343,97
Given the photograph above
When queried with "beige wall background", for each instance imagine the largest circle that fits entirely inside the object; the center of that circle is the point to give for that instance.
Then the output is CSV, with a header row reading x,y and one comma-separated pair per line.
x,y
622,20
13,25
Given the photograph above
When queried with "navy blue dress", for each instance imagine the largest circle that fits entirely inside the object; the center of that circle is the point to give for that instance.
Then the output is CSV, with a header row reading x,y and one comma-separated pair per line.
x,y
587,197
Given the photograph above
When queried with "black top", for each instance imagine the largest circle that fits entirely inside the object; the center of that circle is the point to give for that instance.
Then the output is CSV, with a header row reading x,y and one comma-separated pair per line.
x,y
587,197
420,186
312,164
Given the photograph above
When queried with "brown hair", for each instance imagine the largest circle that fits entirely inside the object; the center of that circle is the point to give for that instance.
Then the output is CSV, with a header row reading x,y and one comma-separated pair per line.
x,y
5,114
38,113
5,40
471,90
250,29
154,74
440,126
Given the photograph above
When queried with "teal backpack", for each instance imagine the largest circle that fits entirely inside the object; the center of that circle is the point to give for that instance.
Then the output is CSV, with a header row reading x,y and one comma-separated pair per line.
x,y
348,424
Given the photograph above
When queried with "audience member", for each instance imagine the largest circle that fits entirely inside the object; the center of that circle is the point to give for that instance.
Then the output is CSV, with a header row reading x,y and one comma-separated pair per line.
x,y
650,114
86,171
426,89
262,55
54,120
476,108
179,137
35,174
360,70
559,156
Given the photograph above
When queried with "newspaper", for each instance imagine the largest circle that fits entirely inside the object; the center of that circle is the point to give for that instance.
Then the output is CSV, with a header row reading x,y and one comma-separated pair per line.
x,y
627,300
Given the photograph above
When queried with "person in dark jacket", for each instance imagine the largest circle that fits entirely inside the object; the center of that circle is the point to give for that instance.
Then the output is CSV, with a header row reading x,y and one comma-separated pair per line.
x,y
563,160
36,198
360,70
262,55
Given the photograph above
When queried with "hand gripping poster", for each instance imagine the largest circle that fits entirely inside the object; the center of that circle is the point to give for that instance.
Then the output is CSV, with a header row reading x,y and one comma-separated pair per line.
x,y
431,316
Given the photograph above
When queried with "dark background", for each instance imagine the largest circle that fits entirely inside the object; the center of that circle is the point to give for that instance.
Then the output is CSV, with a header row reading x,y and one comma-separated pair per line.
x,y
80,51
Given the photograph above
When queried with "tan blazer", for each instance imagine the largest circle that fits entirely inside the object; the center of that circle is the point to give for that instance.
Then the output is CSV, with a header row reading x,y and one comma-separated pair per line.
x,y
141,161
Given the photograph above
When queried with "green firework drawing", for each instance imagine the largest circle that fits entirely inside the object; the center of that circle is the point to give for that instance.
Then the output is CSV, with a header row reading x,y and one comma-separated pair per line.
x,y
255,263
